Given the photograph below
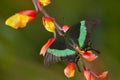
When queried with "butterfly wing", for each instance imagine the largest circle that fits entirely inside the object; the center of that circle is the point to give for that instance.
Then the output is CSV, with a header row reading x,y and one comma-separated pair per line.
x,y
57,51
78,33
59,48
50,59
74,32
81,32
88,25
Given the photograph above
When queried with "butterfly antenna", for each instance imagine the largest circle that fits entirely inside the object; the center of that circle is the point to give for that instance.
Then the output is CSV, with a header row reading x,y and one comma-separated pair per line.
x,y
95,50
63,21
91,48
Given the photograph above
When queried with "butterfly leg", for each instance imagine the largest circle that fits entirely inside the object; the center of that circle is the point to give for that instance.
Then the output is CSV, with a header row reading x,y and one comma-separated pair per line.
x,y
89,46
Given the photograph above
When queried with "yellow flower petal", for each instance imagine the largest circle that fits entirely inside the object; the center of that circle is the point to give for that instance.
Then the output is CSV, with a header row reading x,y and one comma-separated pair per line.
x,y
44,2
48,24
69,70
71,74
17,21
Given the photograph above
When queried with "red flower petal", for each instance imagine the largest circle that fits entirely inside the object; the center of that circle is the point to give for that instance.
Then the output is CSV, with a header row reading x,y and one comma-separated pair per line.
x,y
30,13
65,28
103,74
46,46
89,56
69,70
88,75
45,18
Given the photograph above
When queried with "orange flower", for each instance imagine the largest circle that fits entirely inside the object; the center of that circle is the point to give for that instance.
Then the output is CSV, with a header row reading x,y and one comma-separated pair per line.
x,y
20,20
103,74
89,56
88,75
48,24
65,28
69,71
30,13
46,46
44,2
91,75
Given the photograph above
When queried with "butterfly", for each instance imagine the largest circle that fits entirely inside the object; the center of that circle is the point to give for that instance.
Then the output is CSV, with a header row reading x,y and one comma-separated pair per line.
x,y
61,49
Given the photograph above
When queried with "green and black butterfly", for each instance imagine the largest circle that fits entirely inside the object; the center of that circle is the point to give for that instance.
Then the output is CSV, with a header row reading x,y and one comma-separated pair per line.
x,y
61,49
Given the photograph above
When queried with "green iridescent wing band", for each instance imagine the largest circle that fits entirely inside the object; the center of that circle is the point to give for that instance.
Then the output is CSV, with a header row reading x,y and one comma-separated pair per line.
x,y
82,34
61,53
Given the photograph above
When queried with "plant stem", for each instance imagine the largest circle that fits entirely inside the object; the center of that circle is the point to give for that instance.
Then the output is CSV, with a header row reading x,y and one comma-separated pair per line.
x,y
41,9
34,3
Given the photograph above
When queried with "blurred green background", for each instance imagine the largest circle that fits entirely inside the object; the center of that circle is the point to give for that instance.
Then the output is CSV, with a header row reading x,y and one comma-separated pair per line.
x,y
19,49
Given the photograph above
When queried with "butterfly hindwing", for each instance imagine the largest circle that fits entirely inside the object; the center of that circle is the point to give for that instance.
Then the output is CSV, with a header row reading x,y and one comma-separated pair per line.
x,y
61,53
50,59
57,51
59,43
